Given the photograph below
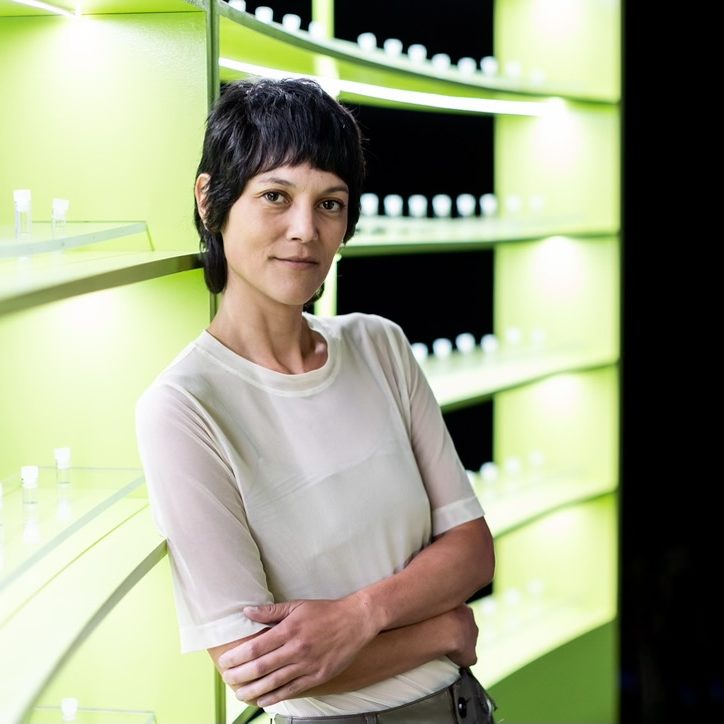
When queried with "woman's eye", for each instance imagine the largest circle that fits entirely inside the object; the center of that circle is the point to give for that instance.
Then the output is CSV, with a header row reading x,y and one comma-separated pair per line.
x,y
272,196
332,205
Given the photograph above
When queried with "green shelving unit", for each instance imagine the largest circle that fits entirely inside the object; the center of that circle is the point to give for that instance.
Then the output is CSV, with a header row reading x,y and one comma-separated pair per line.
x,y
89,317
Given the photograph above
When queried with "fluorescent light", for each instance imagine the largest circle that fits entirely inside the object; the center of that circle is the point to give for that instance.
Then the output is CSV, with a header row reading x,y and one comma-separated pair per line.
x,y
47,6
405,97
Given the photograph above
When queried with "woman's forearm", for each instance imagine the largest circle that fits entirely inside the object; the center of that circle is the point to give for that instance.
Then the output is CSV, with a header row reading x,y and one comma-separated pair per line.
x,y
443,575
393,652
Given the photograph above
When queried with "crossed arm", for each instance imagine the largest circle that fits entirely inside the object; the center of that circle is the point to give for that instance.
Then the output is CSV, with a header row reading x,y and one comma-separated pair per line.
x,y
316,647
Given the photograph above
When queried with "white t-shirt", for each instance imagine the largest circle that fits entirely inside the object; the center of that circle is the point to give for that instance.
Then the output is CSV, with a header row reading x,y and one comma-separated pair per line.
x,y
273,487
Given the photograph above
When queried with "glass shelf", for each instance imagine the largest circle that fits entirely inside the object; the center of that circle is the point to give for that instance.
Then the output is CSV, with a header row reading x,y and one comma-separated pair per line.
x,y
38,540
465,379
513,501
380,235
29,281
54,715
300,50
64,610
97,7
76,233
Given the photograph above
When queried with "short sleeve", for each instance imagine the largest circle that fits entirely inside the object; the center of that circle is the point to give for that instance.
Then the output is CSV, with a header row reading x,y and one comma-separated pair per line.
x,y
452,498
196,504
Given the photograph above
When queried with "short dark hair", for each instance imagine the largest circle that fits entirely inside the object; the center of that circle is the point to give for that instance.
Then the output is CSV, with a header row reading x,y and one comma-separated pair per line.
x,y
259,125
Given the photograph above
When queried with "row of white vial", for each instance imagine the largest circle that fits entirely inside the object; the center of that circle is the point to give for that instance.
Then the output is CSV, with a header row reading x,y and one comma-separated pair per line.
x,y
465,342
466,205
23,203
29,475
393,47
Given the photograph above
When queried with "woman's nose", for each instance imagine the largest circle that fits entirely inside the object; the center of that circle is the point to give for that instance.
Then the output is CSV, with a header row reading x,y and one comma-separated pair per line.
x,y
302,223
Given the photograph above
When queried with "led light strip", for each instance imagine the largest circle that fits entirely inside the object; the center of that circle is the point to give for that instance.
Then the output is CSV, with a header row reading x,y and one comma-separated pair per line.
x,y
416,98
50,8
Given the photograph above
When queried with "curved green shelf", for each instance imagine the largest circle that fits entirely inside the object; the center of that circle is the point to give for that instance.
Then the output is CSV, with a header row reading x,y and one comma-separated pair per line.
x,y
466,379
510,505
380,235
31,281
556,624
40,539
79,597
243,35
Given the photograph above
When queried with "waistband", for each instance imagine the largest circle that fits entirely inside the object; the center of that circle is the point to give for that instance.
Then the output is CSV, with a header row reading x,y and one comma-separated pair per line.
x,y
465,701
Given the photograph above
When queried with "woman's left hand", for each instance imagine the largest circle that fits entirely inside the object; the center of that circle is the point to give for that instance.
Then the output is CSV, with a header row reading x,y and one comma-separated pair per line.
x,y
308,643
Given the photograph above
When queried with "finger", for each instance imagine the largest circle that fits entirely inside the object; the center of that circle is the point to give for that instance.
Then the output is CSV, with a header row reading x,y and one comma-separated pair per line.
x,y
288,691
259,667
266,685
270,612
250,650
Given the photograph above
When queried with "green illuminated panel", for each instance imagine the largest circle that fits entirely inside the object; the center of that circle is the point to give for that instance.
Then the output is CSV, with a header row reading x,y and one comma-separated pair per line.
x,y
382,235
44,238
555,580
463,379
27,283
79,597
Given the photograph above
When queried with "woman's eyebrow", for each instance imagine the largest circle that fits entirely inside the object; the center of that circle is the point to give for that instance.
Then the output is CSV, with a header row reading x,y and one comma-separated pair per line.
x,y
286,182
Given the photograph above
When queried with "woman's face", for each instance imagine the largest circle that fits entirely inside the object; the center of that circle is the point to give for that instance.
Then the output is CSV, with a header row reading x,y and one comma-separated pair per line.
x,y
282,234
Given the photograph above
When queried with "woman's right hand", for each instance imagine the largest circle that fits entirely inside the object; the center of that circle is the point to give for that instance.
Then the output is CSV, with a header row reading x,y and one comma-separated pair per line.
x,y
464,635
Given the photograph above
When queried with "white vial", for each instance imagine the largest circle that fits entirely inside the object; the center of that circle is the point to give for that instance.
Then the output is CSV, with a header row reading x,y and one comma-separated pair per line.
x,y
441,205
369,204
316,29
513,69
467,65
442,347
489,65
489,205
291,22
417,53
58,216
465,342
420,350
417,206
239,5
69,708
393,205
264,13
393,47
367,41
513,204
29,482
465,204
62,465
440,61
489,472
513,336
513,466
489,343
23,213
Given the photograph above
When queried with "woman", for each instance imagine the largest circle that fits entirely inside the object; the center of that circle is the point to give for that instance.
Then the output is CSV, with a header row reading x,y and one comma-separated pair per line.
x,y
323,534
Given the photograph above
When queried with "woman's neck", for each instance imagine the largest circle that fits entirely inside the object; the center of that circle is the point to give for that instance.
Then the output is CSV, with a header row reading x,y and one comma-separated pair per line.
x,y
282,342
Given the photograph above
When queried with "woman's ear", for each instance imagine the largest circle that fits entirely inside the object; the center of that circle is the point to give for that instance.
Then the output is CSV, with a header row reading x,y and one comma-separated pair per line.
x,y
200,187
